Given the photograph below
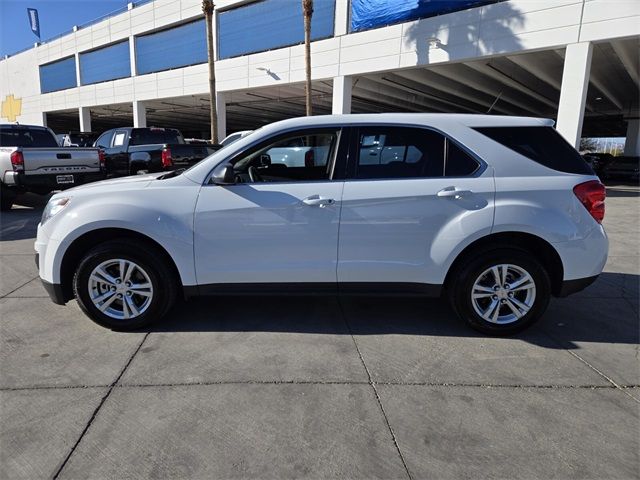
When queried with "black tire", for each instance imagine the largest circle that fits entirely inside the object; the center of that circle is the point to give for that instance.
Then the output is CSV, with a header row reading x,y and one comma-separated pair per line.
x,y
463,279
149,259
7,198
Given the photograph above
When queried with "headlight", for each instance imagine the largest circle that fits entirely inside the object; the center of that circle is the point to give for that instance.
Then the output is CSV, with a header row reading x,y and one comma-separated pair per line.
x,y
54,207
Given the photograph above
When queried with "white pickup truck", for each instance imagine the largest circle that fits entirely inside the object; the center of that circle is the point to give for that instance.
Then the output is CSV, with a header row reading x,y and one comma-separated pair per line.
x,y
32,161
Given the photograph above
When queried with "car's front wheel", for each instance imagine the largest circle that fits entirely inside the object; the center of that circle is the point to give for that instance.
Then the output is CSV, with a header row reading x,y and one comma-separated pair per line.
x,y
123,287
501,292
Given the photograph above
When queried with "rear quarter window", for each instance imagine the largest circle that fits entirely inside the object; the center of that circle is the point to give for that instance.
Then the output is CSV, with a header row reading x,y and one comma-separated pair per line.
x,y
543,145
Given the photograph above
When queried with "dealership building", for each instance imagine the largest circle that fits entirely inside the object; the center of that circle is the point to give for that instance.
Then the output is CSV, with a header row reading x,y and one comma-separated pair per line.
x,y
576,61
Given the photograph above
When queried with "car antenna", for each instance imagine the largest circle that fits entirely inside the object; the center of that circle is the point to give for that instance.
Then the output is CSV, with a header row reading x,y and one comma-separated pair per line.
x,y
494,102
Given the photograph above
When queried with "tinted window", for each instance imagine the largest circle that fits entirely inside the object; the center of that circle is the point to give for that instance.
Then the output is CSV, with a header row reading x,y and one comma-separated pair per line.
x,y
459,163
27,137
58,75
106,63
149,136
274,24
399,153
173,48
296,157
82,139
542,145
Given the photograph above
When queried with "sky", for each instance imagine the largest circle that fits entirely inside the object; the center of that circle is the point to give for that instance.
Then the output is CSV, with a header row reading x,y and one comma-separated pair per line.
x,y
56,17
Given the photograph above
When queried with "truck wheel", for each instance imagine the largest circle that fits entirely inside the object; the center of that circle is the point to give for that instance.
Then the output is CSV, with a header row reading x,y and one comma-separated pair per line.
x,y
6,198
501,292
123,287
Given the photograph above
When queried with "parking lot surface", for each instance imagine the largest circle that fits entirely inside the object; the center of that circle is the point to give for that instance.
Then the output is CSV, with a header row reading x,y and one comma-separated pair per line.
x,y
321,387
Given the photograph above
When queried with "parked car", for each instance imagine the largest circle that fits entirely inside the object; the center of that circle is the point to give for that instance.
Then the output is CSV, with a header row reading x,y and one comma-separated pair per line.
x,y
32,161
598,161
77,139
627,168
229,139
129,151
495,213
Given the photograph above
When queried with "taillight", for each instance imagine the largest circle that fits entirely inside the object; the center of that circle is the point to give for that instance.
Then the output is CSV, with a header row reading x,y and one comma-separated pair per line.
x,y
101,160
17,161
592,194
167,161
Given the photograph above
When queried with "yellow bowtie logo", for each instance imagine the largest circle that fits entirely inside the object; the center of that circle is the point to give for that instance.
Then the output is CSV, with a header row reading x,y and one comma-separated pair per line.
x,y
11,108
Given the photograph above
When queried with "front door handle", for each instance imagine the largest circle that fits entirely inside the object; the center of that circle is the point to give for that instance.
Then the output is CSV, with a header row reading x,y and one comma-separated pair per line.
x,y
453,192
318,201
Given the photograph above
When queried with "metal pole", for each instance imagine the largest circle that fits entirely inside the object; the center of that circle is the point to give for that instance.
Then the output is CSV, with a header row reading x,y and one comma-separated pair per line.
x,y
208,7
307,12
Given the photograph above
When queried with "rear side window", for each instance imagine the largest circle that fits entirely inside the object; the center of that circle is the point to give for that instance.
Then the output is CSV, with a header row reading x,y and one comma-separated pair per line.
x,y
459,163
542,145
27,137
397,152
150,136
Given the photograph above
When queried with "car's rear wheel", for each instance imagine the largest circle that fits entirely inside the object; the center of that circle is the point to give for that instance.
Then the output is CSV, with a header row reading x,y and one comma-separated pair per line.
x,y
501,292
123,287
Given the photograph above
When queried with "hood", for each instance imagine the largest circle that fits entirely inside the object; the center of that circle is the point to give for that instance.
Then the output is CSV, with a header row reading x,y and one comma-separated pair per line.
x,y
134,181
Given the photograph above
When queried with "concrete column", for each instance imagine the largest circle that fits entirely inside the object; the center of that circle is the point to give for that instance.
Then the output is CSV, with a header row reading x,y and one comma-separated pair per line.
x,y
221,107
573,92
632,142
85,119
132,56
44,119
341,18
78,76
139,114
341,95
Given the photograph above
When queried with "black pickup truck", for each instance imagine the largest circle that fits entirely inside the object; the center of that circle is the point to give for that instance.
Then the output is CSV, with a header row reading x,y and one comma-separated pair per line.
x,y
130,150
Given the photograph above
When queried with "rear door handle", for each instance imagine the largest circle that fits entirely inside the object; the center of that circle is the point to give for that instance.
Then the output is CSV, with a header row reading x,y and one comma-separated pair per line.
x,y
453,192
318,201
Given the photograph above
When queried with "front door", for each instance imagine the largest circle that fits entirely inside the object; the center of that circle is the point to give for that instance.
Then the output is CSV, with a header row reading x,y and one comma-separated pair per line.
x,y
279,224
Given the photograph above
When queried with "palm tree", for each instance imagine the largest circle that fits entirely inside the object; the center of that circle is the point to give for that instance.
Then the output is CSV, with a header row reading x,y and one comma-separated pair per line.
x,y
307,12
207,8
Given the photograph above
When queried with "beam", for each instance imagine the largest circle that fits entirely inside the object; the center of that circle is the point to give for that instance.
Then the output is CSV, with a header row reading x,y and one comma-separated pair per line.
x,y
628,59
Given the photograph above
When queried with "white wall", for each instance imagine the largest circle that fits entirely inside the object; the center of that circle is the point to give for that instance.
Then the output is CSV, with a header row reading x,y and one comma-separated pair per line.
x,y
512,26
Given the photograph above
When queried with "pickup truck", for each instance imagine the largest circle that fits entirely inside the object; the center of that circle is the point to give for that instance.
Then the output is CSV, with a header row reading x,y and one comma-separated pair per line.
x,y
130,150
32,161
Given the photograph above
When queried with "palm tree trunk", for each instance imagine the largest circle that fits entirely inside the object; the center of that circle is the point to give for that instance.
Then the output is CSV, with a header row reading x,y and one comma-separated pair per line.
x,y
207,8
307,11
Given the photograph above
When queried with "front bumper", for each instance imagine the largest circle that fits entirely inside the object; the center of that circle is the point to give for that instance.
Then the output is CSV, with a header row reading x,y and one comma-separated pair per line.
x,y
55,292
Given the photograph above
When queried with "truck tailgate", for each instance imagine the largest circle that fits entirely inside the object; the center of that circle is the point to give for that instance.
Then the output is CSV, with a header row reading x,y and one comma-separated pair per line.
x,y
185,155
47,161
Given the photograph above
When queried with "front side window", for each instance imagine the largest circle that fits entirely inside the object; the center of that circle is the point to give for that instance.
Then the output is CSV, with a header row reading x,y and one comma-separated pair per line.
x,y
104,140
296,157
398,152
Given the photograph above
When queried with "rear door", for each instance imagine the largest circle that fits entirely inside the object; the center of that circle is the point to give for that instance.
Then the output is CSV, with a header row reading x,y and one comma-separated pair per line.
x,y
410,196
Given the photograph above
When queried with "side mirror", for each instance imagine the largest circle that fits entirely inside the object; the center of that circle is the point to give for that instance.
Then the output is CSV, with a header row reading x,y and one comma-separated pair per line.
x,y
265,160
224,175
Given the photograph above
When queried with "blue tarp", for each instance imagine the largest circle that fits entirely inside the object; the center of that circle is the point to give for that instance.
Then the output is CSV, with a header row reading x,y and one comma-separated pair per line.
x,y
366,14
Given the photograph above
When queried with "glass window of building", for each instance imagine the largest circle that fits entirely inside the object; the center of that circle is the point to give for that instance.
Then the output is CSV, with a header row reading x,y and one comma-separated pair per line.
x,y
108,63
273,24
58,75
172,48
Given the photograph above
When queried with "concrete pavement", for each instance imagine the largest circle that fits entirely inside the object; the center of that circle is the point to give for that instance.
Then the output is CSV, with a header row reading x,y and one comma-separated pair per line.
x,y
320,387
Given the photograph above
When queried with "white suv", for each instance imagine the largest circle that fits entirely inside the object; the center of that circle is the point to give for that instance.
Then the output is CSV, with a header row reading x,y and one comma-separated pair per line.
x,y
497,213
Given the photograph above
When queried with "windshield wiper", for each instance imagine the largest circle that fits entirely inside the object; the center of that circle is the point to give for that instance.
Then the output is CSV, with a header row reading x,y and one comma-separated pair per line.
x,y
172,174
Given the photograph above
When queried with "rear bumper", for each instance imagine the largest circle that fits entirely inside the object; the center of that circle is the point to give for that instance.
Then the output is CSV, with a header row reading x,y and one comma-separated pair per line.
x,y
48,182
54,290
569,287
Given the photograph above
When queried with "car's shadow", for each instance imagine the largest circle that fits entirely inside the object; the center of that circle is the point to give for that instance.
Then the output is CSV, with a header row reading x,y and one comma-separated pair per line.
x,y
21,222
585,318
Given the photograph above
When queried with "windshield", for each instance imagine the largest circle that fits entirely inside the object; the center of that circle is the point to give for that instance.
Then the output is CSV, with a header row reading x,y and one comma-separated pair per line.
x,y
26,137
149,136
